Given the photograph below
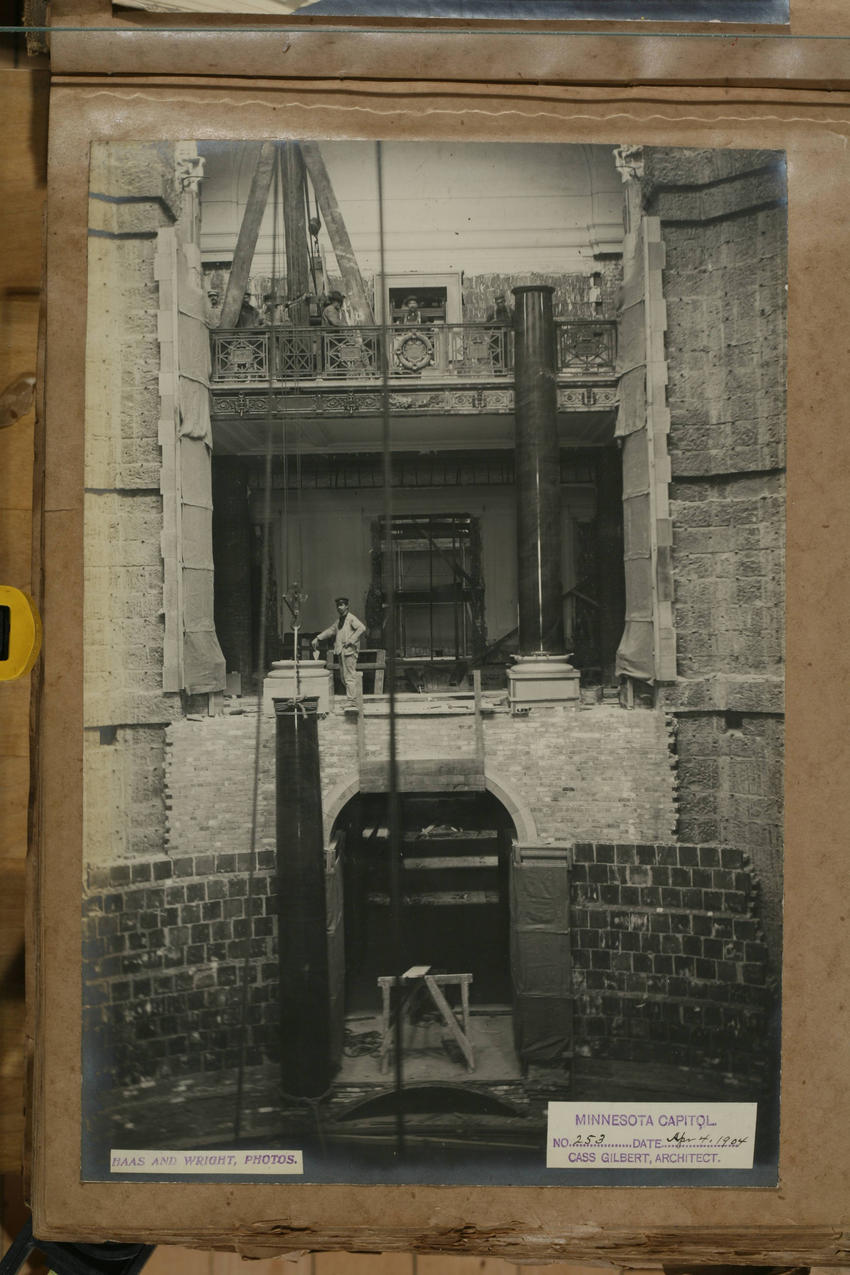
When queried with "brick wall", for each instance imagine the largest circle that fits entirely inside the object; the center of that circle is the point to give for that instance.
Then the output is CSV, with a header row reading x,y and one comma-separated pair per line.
x,y
590,772
166,930
572,292
164,943
669,959
124,793
594,772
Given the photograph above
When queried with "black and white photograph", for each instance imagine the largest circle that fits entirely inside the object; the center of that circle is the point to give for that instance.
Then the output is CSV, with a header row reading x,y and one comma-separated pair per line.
x,y
434,681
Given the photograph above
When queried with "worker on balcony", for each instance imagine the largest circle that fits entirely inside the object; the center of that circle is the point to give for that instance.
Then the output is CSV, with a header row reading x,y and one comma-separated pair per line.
x,y
412,313
346,634
333,315
500,317
500,312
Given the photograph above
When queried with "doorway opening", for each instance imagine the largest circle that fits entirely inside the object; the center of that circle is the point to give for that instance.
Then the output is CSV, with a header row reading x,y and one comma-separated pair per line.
x,y
454,892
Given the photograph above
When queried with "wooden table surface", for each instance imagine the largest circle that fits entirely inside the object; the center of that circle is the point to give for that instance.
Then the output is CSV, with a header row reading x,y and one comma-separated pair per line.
x,y
23,110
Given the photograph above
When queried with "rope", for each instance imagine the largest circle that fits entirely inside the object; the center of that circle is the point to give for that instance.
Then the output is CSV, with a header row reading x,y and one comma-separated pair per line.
x,y
393,829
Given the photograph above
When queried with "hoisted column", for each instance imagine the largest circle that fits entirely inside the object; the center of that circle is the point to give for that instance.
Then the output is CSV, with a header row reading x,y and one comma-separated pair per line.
x,y
302,928
542,672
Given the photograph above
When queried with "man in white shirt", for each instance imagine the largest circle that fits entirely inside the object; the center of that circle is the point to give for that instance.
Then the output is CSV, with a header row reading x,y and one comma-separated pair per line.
x,y
346,634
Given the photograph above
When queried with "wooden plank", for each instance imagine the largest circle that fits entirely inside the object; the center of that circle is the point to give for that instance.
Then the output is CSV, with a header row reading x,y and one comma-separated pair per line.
x,y
575,1268
437,862
451,1022
440,898
362,1264
167,1258
439,1264
233,1264
444,980
23,102
479,720
13,1215
298,283
246,243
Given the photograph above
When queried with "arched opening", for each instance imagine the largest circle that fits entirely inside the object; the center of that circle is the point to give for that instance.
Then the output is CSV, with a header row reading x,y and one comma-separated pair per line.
x,y
455,905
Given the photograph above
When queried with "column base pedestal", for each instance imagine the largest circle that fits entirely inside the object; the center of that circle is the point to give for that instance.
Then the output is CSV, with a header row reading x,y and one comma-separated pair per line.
x,y
542,679
313,679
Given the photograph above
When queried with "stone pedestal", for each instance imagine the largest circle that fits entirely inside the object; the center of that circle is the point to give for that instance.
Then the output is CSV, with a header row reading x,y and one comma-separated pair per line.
x,y
314,678
542,679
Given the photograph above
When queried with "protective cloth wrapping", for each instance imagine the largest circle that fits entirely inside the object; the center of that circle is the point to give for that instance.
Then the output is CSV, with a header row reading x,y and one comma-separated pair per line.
x,y
540,959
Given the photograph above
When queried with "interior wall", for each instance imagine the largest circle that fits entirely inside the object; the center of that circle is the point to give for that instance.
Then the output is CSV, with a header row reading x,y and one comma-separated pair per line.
x,y
324,540
471,207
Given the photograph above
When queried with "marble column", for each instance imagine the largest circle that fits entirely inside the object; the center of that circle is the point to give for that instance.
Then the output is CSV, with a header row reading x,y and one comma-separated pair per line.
x,y
541,673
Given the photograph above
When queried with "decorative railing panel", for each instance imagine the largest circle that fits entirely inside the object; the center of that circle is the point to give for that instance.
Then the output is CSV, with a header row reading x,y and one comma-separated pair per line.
x,y
471,351
241,355
586,347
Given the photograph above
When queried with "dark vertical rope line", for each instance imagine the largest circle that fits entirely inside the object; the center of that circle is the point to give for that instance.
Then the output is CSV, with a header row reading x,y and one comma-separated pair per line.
x,y
393,838
255,798
261,668
298,518
292,372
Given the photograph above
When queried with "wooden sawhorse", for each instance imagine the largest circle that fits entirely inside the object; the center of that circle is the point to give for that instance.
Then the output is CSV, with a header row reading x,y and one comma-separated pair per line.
x,y
433,984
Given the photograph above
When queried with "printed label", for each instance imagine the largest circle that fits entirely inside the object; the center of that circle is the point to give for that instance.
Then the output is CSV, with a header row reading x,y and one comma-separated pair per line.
x,y
651,1135
224,1162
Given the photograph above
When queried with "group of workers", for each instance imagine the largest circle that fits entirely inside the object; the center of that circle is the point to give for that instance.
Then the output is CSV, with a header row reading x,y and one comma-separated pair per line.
x,y
333,314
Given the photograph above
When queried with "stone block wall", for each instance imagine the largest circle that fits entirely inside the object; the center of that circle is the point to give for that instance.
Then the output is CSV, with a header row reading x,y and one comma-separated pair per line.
x,y
729,564
133,196
723,225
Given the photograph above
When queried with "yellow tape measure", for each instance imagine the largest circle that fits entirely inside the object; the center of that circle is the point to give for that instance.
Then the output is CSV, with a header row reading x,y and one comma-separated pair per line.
x,y
20,633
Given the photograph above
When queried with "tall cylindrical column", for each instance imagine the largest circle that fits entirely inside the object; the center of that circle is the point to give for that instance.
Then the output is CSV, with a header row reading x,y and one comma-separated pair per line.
x,y
302,928
538,478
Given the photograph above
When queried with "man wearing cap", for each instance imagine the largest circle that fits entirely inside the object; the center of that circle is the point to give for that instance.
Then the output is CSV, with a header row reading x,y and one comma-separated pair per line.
x,y
412,313
333,315
346,634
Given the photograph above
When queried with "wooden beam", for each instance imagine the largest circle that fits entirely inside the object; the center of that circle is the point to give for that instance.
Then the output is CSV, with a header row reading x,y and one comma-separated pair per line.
x,y
298,283
246,243
451,1022
479,720
352,280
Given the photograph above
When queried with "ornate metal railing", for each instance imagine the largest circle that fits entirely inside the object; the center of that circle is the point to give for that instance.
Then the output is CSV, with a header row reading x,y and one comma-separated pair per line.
x,y
586,346
471,350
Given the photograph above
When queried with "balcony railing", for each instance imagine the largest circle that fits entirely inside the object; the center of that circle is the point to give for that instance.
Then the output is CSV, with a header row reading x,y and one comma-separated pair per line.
x,y
586,347
277,355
